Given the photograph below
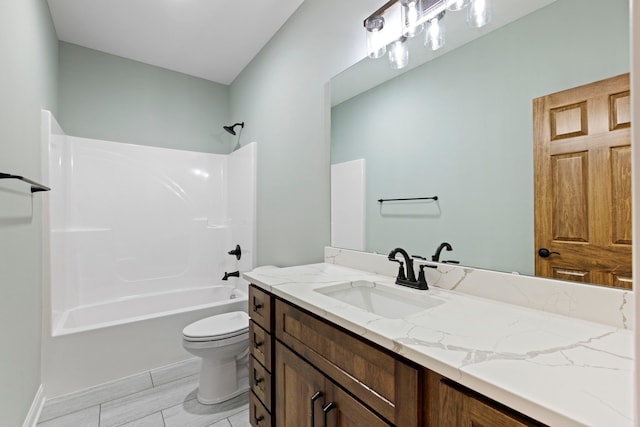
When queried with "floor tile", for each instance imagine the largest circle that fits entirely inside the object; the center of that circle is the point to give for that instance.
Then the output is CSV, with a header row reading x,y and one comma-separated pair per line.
x,y
153,420
95,395
222,423
193,414
147,402
88,417
175,371
241,419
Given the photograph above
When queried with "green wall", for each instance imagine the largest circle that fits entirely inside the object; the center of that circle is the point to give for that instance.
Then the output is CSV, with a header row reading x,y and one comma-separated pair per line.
x,y
283,97
28,47
460,127
107,97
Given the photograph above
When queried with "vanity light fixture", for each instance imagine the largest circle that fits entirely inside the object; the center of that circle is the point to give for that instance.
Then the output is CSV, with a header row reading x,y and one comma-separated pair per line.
x,y
375,47
479,13
411,12
416,15
434,36
457,5
399,53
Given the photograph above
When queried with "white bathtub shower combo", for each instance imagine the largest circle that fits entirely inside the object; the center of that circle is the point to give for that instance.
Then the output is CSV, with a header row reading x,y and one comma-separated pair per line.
x,y
136,243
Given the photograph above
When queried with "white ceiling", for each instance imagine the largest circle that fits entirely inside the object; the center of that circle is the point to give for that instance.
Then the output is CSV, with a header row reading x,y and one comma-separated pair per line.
x,y
211,39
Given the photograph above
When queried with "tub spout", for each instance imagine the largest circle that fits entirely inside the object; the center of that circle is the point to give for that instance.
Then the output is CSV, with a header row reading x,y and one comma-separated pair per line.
x,y
227,275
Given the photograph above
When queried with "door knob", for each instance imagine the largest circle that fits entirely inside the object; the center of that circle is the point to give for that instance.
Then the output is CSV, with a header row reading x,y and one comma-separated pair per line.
x,y
545,253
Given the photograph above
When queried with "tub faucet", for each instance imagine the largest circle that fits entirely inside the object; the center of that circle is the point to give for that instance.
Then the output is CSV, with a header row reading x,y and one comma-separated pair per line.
x,y
227,275
410,278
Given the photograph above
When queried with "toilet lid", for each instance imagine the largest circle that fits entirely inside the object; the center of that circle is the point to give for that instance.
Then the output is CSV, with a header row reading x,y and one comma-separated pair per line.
x,y
218,327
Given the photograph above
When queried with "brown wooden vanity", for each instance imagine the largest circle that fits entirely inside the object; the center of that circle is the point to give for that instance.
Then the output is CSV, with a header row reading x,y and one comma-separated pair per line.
x,y
306,371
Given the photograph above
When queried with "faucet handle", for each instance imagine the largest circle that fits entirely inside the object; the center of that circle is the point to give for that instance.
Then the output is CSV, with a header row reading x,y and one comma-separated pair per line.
x,y
419,257
422,280
401,275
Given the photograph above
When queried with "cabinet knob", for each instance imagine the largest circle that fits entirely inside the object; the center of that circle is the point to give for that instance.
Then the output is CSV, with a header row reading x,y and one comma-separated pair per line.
x,y
257,307
257,381
258,419
257,344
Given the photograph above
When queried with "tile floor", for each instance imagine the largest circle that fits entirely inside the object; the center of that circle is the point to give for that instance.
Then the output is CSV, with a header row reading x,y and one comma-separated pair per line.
x,y
163,397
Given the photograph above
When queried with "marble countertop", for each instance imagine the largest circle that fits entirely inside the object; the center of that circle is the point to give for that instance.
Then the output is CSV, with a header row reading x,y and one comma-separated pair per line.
x,y
559,370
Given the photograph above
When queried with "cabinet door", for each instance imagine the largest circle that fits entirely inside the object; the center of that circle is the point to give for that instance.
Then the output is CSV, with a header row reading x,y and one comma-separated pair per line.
x,y
460,409
479,414
345,411
258,414
299,391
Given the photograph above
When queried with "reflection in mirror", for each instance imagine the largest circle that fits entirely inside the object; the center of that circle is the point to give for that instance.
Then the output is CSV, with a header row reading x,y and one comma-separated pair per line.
x,y
460,127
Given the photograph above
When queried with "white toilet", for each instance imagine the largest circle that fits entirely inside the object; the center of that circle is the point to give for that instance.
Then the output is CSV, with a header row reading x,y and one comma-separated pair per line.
x,y
222,342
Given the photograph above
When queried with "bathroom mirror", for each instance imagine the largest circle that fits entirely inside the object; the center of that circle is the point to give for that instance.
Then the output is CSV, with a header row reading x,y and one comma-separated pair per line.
x,y
460,127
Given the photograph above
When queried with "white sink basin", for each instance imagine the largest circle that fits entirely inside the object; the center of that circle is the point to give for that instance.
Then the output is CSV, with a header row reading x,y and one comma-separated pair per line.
x,y
379,299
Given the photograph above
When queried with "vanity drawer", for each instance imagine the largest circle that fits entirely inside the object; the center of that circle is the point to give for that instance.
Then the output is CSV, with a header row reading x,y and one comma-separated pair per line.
x,y
260,380
385,383
260,345
258,415
260,307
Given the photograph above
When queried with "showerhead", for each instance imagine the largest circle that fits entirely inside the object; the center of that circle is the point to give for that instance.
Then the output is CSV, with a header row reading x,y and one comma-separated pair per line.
x,y
230,128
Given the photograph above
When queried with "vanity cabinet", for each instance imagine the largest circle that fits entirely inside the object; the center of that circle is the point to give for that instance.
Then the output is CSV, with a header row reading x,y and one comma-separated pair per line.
x,y
307,371
261,358
306,397
380,379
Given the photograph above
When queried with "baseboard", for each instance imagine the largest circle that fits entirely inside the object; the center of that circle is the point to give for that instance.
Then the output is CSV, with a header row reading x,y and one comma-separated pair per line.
x,y
36,408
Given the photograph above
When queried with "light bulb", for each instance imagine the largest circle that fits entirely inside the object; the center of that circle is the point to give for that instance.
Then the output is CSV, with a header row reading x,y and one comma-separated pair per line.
x,y
435,32
479,13
375,44
411,13
456,5
399,54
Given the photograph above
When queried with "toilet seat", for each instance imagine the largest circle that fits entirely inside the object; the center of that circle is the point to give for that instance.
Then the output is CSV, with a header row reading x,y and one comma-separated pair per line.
x,y
216,328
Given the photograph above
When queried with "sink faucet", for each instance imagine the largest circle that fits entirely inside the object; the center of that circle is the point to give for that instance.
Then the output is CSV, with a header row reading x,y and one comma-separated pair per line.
x,y
227,275
411,275
410,278
443,245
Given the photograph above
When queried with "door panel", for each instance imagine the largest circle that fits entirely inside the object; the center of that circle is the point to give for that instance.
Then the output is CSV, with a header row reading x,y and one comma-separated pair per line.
x,y
348,411
461,409
296,384
582,180
621,193
570,196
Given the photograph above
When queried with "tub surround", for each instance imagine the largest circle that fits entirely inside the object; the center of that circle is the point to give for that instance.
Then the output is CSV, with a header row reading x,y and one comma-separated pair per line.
x,y
129,220
559,370
141,257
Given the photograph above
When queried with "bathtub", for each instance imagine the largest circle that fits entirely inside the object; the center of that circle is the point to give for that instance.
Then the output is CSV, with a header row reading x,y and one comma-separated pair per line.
x,y
98,343
138,308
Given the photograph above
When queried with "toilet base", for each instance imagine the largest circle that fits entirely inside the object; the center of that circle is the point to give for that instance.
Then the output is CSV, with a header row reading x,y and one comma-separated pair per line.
x,y
220,382
242,389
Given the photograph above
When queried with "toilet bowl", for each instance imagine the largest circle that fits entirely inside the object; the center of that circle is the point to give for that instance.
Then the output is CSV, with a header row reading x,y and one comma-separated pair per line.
x,y
222,341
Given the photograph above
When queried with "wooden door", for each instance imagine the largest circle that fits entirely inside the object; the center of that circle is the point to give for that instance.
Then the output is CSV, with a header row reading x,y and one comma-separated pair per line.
x,y
297,385
582,183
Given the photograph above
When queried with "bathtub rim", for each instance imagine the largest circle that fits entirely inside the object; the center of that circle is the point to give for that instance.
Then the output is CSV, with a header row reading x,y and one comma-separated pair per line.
x,y
58,331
